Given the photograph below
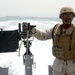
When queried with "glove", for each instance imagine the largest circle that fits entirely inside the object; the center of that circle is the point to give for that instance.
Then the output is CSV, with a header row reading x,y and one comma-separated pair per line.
x,y
33,30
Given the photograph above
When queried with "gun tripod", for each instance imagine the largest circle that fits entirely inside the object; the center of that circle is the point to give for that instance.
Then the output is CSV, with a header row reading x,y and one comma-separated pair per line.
x,y
28,59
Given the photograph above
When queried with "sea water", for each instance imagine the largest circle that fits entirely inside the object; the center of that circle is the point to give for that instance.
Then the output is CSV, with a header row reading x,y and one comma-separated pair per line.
x,y
42,50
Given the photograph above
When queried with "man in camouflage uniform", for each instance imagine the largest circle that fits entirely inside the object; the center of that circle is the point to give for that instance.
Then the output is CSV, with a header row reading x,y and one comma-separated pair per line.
x,y
63,42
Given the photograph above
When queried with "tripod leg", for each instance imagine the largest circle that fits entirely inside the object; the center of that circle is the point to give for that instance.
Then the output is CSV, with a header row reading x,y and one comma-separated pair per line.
x,y
28,64
50,70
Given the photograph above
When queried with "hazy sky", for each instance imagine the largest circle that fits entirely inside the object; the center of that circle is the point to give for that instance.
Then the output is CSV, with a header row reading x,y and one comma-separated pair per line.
x,y
43,8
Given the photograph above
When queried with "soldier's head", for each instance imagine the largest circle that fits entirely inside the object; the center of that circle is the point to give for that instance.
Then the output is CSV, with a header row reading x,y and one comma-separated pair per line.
x,y
66,14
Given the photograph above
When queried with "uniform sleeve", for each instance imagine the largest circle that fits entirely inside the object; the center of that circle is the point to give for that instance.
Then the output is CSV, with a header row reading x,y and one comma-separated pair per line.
x,y
40,35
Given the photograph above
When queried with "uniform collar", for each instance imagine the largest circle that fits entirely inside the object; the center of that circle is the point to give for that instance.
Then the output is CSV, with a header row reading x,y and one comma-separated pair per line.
x,y
68,31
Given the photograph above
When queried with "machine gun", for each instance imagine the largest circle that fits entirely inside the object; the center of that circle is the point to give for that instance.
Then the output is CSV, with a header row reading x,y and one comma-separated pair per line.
x,y
25,34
